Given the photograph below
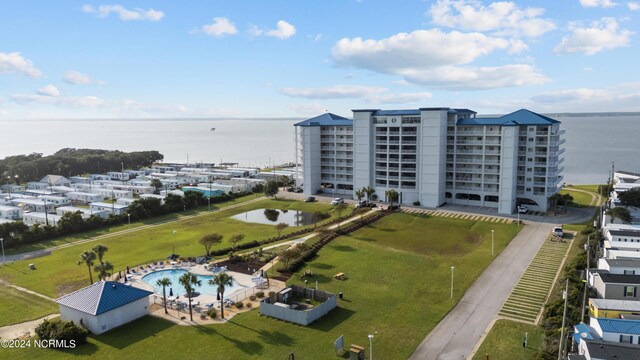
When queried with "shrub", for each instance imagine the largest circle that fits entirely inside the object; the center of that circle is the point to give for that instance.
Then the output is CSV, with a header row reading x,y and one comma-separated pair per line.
x,y
260,294
212,313
203,316
239,305
249,304
272,294
416,203
61,330
252,298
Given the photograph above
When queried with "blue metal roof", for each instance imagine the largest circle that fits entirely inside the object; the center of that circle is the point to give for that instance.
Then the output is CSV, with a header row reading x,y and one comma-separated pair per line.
x,y
102,297
520,117
619,326
582,331
327,119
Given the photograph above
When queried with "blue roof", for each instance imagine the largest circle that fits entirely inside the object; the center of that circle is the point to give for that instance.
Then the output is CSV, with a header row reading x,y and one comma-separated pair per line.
x,y
102,297
520,117
582,331
327,119
619,326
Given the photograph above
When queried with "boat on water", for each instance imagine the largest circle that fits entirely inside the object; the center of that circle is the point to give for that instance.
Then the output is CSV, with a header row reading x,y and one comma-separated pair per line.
x,y
213,129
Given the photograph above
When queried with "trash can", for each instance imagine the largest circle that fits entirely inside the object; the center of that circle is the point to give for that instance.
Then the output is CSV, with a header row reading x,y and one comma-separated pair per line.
x,y
340,295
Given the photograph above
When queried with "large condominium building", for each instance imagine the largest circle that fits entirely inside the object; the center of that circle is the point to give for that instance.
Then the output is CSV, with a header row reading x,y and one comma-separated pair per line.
x,y
434,156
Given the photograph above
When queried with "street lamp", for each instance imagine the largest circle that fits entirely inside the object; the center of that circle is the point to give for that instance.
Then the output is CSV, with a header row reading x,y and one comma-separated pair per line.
x,y
587,248
174,242
2,242
492,241
129,217
452,268
371,346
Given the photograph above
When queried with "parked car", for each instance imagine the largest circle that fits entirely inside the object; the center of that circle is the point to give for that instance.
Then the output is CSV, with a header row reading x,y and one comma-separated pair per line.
x,y
310,199
557,231
523,209
337,201
298,190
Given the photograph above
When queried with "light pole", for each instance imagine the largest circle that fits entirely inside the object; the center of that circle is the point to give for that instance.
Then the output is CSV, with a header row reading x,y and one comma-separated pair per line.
x,y
587,248
492,241
2,242
371,346
174,242
452,268
129,218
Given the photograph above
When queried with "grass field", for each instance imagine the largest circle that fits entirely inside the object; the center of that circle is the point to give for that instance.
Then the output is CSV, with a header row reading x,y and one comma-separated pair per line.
x,y
111,229
59,273
504,341
17,306
397,288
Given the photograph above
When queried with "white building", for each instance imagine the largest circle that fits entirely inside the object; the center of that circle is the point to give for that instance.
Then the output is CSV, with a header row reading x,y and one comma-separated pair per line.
x,y
57,200
112,193
117,175
104,305
111,209
84,197
435,156
55,180
86,213
32,218
34,205
10,212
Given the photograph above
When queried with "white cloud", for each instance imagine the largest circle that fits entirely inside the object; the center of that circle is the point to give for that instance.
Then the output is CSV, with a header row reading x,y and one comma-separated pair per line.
x,y
623,97
221,26
603,34
283,30
11,63
434,58
124,13
371,94
633,6
501,17
334,92
48,90
78,78
597,3
66,101
587,69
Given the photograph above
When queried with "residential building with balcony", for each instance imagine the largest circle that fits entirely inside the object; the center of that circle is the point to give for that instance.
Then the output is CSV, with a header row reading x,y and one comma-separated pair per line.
x,y
435,156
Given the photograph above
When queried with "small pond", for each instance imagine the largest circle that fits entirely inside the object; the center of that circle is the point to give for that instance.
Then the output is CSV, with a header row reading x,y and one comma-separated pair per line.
x,y
274,216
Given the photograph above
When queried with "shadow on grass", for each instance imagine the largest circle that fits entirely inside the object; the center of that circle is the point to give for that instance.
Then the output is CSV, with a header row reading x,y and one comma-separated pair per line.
x,y
388,230
269,337
336,317
80,350
344,248
133,332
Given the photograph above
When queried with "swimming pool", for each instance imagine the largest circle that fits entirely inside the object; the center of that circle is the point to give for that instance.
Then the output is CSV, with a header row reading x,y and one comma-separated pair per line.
x,y
178,289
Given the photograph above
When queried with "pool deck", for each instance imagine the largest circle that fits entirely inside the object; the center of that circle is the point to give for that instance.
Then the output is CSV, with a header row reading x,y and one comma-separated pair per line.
x,y
203,300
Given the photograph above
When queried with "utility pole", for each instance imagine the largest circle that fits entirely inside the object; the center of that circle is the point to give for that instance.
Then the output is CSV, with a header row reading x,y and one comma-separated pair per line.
x,y
565,295
587,247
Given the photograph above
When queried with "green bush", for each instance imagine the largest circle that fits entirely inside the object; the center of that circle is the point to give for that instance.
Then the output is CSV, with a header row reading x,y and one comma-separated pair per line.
x,y
212,313
249,304
252,298
61,330
260,294
203,316
239,305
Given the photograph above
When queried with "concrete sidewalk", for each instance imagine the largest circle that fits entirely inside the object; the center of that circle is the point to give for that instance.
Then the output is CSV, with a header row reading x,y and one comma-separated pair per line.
x,y
457,334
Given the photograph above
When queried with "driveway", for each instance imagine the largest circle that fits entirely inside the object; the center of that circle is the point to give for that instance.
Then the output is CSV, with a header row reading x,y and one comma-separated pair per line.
x,y
457,334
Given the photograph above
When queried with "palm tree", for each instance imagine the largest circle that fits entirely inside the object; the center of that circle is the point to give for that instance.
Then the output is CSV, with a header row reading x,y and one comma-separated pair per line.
x,y
221,280
369,191
189,280
359,195
104,270
100,250
88,257
392,196
164,282
156,183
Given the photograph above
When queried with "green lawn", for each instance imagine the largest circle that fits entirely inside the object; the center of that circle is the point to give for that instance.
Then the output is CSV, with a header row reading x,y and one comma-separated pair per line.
x,y
59,273
111,229
17,306
397,289
504,341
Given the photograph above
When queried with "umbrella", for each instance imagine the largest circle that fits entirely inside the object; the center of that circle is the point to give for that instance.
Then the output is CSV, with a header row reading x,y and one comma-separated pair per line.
x,y
125,277
170,291
173,257
218,296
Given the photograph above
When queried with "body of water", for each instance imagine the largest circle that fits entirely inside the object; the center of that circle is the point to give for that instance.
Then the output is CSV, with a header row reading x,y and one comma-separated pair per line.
x,y
177,288
593,142
273,217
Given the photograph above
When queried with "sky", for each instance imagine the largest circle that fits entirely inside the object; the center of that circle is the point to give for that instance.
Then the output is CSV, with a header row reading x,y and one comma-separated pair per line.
x,y
279,58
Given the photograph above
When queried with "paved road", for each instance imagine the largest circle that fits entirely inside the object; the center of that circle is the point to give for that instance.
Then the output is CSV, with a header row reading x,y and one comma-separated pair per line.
x,y
457,334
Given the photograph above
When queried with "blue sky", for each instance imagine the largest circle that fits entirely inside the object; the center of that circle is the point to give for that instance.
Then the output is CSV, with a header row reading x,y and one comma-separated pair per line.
x,y
278,58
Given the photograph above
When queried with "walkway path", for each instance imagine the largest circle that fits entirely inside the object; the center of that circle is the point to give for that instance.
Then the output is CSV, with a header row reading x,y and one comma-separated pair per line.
x,y
457,334
20,288
23,329
46,252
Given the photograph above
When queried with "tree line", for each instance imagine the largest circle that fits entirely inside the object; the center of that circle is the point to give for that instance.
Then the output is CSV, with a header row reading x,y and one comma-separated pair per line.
x,y
70,162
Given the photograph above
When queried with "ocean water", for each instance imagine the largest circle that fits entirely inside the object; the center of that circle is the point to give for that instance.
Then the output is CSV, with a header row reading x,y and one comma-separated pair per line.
x,y
593,142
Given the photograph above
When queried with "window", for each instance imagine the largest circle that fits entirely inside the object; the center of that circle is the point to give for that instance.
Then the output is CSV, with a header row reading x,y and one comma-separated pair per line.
x,y
629,272
626,339
629,291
